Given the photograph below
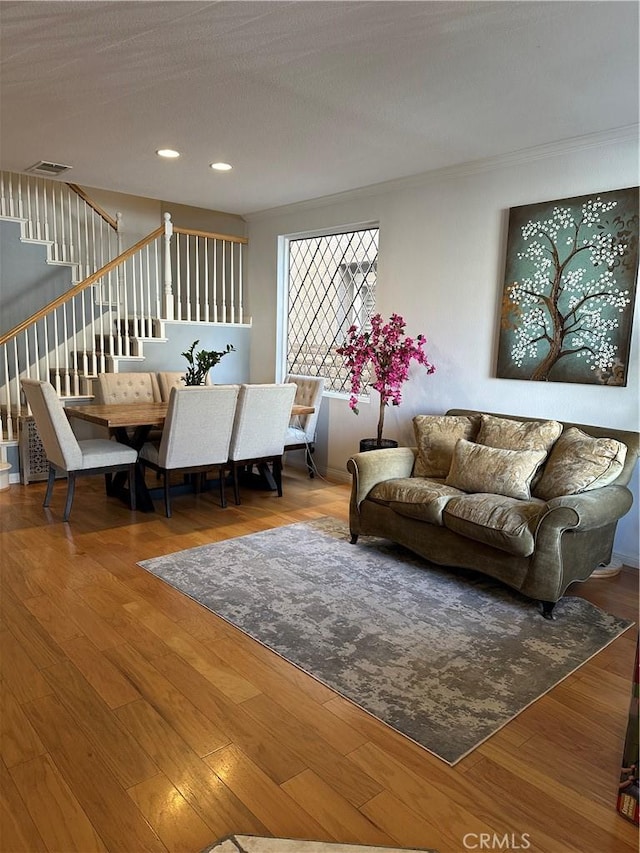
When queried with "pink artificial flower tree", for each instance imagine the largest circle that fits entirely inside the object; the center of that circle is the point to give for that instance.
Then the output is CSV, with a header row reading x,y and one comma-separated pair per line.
x,y
389,352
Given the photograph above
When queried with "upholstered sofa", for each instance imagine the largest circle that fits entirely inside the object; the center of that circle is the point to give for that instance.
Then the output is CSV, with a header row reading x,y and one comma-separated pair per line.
x,y
531,503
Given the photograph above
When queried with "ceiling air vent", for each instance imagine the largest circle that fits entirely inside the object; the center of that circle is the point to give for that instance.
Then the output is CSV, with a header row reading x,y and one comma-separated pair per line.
x,y
44,167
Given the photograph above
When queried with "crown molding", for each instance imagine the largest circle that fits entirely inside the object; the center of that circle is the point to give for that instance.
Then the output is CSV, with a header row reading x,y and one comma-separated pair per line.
x,y
620,135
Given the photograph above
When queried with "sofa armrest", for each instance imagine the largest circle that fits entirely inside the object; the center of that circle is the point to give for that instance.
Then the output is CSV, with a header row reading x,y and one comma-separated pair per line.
x,y
588,510
374,466
558,560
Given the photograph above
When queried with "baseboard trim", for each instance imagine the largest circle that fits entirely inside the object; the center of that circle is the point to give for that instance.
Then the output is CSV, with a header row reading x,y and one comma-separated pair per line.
x,y
632,562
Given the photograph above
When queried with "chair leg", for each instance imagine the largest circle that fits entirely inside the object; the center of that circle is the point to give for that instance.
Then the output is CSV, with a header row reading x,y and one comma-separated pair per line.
x,y
309,450
71,487
221,476
108,483
167,495
277,474
133,473
50,481
236,484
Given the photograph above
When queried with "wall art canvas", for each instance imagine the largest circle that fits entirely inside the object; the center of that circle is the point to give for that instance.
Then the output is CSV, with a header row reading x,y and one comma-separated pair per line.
x,y
569,289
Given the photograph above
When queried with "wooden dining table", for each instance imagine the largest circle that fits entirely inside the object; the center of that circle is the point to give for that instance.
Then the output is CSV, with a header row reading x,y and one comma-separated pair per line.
x,y
131,423
123,416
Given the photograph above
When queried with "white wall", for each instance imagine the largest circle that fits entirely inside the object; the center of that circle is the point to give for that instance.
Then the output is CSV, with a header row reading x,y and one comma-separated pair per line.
x,y
140,216
441,265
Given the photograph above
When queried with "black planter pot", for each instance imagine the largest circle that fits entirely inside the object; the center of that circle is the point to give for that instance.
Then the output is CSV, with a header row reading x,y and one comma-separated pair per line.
x,y
372,444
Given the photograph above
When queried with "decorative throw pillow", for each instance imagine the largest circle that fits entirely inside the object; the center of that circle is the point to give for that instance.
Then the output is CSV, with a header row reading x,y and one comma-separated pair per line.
x,y
436,437
518,435
492,470
580,462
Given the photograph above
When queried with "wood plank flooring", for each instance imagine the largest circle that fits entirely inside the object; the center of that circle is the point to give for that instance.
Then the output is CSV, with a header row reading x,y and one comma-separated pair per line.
x,y
134,720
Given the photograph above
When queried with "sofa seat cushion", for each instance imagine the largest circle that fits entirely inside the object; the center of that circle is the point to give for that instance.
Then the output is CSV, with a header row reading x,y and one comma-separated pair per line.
x,y
415,497
436,437
579,463
496,520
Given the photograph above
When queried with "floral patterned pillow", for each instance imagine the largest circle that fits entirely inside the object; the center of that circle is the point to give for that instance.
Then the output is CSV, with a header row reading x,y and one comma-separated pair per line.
x,y
518,435
491,470
436,437
580,462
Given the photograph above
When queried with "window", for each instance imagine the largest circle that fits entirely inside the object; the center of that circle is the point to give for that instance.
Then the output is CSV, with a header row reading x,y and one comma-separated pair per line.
x,y
330,284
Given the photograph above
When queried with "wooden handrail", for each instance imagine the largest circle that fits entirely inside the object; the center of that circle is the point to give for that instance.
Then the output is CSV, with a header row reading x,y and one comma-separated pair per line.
x,y
194,233
103,214
78,288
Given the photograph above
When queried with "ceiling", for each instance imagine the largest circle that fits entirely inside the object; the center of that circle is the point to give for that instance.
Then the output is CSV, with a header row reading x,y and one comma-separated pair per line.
x,y
304,99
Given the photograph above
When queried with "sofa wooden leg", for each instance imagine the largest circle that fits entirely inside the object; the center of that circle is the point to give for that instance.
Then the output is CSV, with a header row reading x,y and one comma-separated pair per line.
x,y
547,609
354,538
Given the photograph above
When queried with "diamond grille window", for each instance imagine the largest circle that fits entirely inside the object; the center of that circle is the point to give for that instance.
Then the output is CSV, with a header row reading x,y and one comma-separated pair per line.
x,y
332,285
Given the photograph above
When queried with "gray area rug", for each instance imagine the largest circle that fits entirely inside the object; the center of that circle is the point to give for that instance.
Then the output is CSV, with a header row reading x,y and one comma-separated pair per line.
x,y
447,658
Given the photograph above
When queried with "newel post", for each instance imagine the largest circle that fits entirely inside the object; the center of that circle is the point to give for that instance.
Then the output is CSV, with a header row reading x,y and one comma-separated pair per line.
x,y
119,232
168,284
119,250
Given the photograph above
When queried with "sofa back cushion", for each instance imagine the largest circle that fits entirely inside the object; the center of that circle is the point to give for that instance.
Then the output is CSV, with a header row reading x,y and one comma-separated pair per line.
x,y
518,435
628,437
492,470
436,437
580,462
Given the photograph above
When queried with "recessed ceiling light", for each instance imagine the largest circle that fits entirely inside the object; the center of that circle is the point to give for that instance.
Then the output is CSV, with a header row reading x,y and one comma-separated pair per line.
x,y
169,153
221,167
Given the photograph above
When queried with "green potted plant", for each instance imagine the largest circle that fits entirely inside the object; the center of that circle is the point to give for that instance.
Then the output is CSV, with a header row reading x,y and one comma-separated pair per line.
x,y
387,352
200,363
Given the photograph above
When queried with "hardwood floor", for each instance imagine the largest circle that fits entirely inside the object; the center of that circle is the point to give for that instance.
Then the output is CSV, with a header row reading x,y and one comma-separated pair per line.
x,y
134,720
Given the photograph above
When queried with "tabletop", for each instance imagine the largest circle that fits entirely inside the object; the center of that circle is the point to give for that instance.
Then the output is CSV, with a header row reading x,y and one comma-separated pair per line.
x,y
114,415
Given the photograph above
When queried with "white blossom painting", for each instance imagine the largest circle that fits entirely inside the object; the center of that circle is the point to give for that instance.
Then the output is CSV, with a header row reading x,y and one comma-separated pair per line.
x,y
570,282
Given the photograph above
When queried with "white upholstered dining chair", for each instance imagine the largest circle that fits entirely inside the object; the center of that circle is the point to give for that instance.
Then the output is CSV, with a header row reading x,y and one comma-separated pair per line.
x,y
259,430
127,388
69,455
168,379
196,435
301,434
116,388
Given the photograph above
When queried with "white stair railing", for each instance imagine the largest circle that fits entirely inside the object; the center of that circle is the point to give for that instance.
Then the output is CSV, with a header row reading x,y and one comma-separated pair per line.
x,y
172,274
207,272
84,331
79,231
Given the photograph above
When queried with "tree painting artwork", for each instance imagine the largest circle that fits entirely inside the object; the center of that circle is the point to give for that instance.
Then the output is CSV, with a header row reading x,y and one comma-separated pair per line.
x,y
570,281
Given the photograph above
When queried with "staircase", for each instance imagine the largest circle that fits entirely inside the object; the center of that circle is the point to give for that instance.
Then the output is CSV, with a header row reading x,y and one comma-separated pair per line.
x,y
118,299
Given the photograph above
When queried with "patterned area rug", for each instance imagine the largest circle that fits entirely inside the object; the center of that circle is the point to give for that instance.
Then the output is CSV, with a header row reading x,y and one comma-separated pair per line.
x,y
447,658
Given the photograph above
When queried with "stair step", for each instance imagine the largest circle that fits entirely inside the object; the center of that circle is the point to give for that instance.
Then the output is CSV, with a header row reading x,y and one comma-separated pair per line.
x,y
140,328
70,383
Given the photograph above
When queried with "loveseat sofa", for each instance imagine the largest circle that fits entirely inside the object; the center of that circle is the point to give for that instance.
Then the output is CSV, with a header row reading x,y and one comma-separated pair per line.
x,y
531,503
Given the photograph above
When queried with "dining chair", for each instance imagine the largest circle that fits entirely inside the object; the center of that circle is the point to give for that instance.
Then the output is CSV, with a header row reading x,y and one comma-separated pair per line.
x,y
168,379
69,455
114,388
259,430
127,388
196,435
301,434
